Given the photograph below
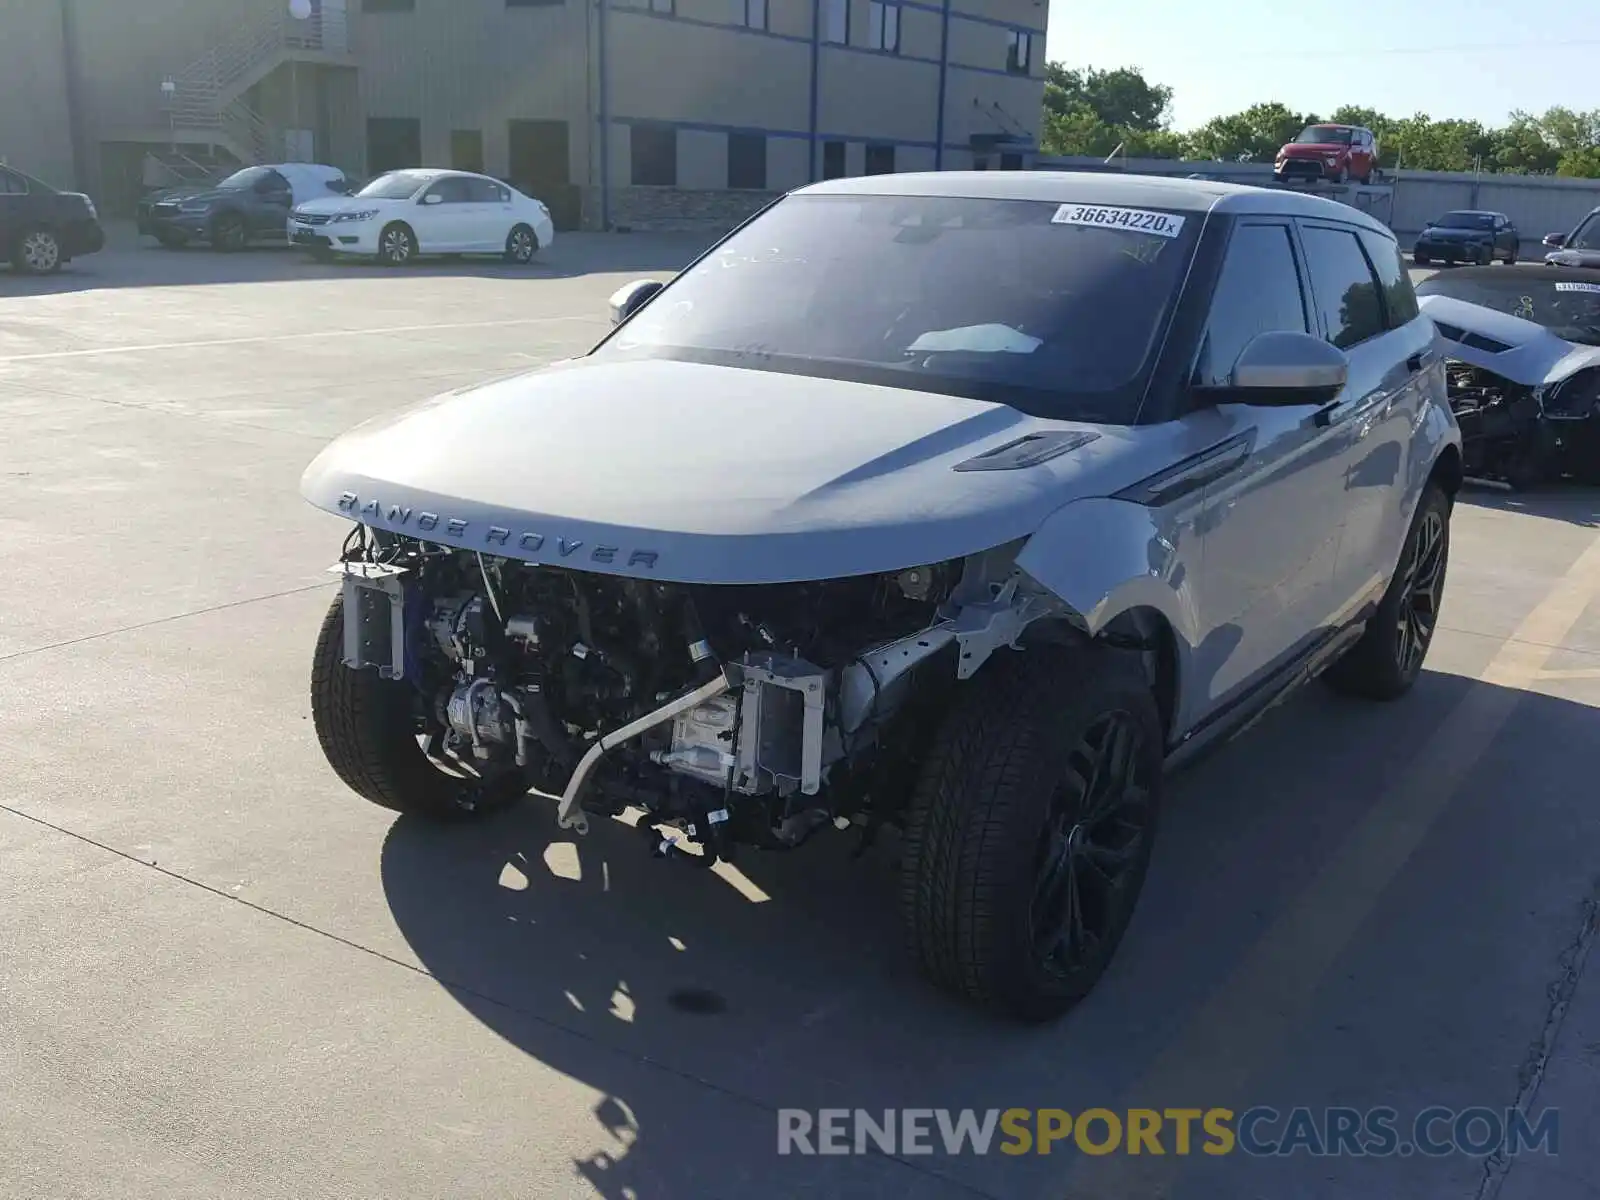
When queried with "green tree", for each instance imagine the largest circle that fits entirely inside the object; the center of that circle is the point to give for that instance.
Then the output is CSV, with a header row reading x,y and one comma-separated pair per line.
x,y
1122,98
1580,163
1253,135
1521,147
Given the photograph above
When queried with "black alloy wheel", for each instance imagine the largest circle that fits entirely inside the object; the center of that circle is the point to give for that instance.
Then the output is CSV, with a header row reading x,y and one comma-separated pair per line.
x,y
1092,854
1421,593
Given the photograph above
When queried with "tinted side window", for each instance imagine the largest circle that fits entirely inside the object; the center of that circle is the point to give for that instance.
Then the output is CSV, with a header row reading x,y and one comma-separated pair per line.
x,y
455,190
1399,300
1342,285
1587,235
1257,292
12,184
486,191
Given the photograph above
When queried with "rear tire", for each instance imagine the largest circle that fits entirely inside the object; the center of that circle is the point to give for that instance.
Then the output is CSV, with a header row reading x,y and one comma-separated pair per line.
x,y
521,245
228,233
1038,801
1385,663
368,731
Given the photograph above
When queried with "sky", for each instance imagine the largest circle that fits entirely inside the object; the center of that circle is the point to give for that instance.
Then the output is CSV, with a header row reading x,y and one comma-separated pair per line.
x,y
1465,58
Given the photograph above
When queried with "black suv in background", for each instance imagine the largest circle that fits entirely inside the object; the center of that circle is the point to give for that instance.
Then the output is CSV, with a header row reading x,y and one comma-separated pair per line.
x,y
42,228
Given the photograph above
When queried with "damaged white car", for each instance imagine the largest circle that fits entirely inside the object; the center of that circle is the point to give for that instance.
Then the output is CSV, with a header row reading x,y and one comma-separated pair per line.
x,y
1523,359
965,504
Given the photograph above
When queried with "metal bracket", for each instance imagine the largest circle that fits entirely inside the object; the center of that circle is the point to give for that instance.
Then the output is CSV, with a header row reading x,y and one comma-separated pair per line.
x,y
374,617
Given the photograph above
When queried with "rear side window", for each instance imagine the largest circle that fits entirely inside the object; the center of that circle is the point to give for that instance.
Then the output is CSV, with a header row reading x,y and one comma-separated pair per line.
x,y
1257,292
486,191
1587,235
1400,300
1343,286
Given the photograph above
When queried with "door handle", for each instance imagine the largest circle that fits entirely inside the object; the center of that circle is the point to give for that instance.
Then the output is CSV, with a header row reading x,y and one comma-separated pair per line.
x,y
1420,360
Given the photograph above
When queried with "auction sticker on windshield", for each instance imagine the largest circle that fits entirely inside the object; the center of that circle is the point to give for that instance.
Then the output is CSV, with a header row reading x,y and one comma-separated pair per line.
x,y
1135,220
1578,287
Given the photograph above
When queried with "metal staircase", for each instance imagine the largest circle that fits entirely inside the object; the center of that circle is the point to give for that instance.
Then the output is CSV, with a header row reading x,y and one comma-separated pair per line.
x,y
206,101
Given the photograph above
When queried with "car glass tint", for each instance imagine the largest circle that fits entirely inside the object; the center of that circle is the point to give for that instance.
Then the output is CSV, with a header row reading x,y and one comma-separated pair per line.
x,y
247,178
1054,308
1465,220
1400,298
1257,292
1587,235
1343,286
1324,135
485,191
454,190
397,185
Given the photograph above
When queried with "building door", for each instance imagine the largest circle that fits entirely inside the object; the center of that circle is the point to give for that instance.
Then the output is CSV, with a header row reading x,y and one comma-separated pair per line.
x,y
466,150
540,166
393,143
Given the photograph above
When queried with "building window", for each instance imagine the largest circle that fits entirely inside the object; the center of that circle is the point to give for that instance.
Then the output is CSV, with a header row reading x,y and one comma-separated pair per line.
x,y
1019,52
880,160
836,21
1011,162
655,156
755,14
388,5
747,160
833,160
393,143
883,27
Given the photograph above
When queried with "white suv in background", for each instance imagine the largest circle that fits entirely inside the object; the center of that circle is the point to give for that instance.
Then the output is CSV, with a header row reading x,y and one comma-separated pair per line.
x,y
403,214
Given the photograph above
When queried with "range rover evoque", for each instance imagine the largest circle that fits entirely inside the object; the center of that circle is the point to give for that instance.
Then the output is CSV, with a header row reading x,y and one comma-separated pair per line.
x,y
965,503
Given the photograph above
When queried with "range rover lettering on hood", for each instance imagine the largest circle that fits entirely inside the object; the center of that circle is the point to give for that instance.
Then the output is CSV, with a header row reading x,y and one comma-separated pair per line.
x,y
406,518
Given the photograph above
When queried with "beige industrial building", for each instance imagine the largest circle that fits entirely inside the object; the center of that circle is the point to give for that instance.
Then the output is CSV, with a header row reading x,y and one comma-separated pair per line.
x,y
635,113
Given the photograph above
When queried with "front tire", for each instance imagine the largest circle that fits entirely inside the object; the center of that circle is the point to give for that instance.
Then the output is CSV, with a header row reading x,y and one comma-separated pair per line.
x,y
1385,663
368,730
397,245
1030,827
37,252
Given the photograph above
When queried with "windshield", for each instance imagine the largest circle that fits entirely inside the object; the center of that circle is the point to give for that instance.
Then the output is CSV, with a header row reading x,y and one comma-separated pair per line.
x,y
1566,303
397,185
1052,308
247,178
1465,220
1322,135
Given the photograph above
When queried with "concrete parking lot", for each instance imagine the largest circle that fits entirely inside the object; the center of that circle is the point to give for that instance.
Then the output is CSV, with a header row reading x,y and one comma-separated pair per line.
x,y
223,975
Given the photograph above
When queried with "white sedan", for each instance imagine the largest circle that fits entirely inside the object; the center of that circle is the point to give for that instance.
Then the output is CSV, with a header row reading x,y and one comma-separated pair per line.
x,y
403,214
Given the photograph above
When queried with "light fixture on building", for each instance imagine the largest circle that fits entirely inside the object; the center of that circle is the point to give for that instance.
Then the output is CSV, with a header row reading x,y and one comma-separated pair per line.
x,y
300,10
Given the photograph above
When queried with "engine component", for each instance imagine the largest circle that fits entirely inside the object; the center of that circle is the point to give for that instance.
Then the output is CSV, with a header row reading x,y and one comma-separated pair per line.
x,y
374,617
781,740
476,712
703,741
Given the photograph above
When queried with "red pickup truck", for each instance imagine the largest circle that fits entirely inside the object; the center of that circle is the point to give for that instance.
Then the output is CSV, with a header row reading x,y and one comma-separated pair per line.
x,y
1332,152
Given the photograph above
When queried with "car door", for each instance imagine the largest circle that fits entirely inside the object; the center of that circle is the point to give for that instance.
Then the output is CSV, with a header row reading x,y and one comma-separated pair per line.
x,y
1368,415
13,209
442,225
1273,514
492,216
1412,371
268,211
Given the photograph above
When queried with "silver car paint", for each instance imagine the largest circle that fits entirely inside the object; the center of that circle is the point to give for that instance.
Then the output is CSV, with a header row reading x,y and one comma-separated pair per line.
x,y
1537,355
692,473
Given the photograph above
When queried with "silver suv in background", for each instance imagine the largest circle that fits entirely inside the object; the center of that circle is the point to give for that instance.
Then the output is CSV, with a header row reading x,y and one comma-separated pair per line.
x,y
967,503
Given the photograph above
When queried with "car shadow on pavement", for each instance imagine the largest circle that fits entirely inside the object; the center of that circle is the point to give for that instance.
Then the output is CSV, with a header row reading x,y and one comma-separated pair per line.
x,y
697,1004
132,264
1572,503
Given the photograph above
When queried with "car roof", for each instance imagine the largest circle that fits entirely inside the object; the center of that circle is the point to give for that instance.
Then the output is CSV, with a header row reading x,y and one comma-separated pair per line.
x,y
1471,212
1117,188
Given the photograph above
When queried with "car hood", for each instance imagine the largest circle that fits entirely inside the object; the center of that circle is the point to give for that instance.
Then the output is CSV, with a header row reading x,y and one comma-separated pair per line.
x,y
703,474
337,204
1574,258
1521,351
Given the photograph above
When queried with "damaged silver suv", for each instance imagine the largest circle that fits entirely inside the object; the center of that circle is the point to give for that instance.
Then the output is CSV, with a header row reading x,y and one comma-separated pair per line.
x,y
966,504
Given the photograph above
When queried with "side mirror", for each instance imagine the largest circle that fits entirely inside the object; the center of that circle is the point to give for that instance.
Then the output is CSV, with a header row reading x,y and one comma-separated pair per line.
x,y
433,198
1283,369
1555,239
631,297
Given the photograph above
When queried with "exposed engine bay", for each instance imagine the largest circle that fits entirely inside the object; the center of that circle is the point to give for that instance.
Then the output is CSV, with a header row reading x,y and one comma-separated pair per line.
x,y
1526,435
730,714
